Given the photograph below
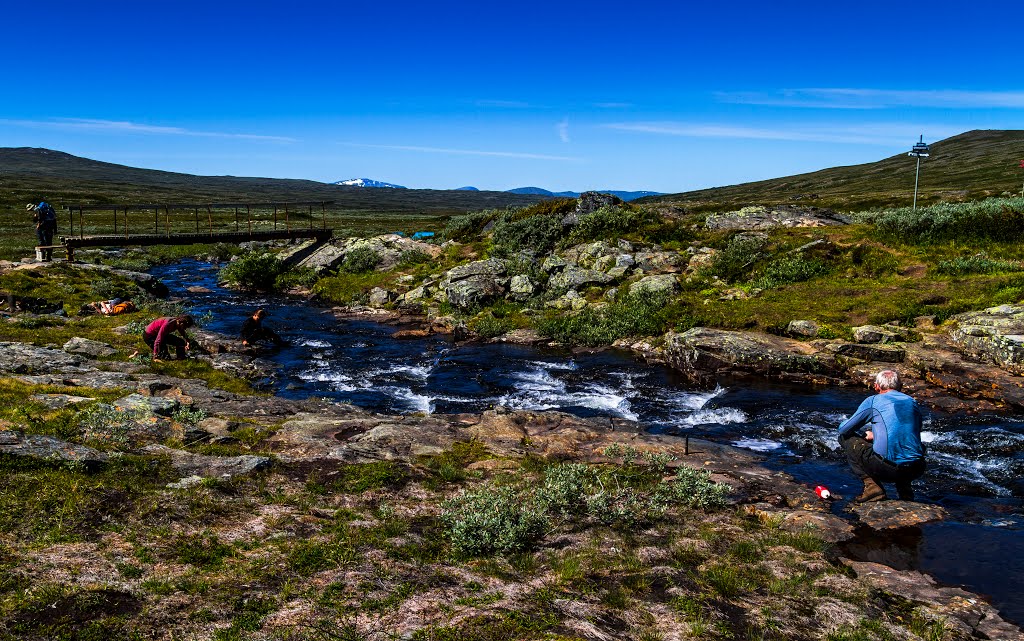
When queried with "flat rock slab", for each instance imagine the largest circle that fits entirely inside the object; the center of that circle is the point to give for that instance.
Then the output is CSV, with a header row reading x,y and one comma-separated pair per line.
x,y
890,515
19,358
190,464
48,448
879,353
87,347
146,404
57,401
759,217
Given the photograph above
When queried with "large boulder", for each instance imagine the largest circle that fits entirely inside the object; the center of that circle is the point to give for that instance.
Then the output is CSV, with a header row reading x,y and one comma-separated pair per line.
x,y
656,284
702,353
994,335
86,347
573,277
323,258
490,267
474,283
806,328
659,262
521,287
591,201
874,334
48,448
189,464
760,217
879,353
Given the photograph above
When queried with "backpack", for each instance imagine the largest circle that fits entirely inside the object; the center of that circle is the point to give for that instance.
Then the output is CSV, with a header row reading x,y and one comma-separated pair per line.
x,y
47,214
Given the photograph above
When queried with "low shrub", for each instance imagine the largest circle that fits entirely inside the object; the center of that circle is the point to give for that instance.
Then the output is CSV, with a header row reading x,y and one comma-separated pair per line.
x,y
411,257
494,519
977,264
609,223
538,233
565,488
488,325
256,270
990,219
735,263
643,314
468,226
789,269
298,277
360,260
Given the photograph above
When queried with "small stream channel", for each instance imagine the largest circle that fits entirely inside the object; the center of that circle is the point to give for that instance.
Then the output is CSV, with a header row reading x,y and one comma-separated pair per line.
x,y
976,463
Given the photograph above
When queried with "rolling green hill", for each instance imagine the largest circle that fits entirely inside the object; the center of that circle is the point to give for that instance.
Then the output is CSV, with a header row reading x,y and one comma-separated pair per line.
x,y
30,174
972,165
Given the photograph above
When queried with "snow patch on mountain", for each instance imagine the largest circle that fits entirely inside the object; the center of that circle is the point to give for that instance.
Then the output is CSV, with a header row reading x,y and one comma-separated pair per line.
x,y
366,182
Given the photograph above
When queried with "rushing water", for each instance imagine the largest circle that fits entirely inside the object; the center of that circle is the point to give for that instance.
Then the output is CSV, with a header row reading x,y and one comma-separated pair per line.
x,y
976,463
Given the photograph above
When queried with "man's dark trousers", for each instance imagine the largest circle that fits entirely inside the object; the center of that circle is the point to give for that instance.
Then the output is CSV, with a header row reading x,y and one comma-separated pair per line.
x,y
866,463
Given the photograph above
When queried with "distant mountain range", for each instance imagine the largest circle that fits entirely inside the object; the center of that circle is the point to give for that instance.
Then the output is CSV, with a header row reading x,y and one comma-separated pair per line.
x,y
523,191
366,182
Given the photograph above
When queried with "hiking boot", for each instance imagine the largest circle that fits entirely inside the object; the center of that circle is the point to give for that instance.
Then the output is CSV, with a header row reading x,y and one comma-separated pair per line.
x,y
905,491
872,492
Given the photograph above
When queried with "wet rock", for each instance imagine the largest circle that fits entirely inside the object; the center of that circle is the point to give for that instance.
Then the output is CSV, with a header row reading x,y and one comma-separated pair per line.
x,y
522,337
521,287
806,328
410,334
207,342
573,277
247,367
146,405
761,217
57,401
877,353
702,352
663,284
48,448
971,616
874,334
994,335
189,464
86,347
888,515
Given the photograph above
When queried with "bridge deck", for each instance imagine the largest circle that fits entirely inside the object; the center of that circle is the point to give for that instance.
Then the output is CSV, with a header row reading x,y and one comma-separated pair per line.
x,y
75,242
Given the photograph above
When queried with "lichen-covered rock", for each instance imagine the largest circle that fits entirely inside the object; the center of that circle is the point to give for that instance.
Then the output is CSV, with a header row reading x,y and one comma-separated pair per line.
x,y
86,347
147,405
380,297
19,358
553,262
703,352
573,277
48,448
874,334
879,353
659,262
491,267
189,464
325,257
571,301
994,335
701,258
806,328
665,284
472,290
58,401
521,287
760,217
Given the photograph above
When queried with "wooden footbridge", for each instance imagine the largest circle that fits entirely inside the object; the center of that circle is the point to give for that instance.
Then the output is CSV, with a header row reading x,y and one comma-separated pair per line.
x,y
125,225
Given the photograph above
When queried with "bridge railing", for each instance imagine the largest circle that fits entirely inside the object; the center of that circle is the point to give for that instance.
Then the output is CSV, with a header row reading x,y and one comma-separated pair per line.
x,y
127,220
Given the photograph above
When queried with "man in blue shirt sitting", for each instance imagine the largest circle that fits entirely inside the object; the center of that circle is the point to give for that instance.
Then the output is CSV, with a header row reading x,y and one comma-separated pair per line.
x,y
890,449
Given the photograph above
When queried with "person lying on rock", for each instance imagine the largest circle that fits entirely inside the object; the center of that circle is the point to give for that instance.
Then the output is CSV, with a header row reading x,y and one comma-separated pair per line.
x,y
253,330
159,335
890,451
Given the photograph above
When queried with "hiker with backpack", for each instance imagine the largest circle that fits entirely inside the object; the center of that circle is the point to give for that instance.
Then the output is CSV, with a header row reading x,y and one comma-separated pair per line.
x,y
45,218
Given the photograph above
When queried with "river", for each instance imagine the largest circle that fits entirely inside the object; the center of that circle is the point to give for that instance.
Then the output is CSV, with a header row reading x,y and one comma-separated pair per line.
x,y
976,463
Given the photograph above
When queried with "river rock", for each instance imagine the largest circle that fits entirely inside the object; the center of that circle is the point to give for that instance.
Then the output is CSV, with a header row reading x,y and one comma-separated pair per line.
x,y
879,353
761,217
86,347
663,284
48,448
873,334
805,328
890,515
521,287
573,277
189,464
994,335
702,352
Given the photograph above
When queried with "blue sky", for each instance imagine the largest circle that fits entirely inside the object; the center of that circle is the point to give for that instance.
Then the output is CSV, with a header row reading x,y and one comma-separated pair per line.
x,y
637,95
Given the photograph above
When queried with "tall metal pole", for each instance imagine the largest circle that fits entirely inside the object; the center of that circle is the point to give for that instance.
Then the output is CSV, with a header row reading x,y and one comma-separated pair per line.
x,y
917,177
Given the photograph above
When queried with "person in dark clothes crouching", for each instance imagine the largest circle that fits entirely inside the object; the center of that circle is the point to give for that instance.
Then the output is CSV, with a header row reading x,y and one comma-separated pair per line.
x,y
253,330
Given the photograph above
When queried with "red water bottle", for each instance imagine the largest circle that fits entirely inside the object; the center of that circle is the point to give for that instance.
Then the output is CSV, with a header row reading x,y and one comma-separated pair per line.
x,y
822,492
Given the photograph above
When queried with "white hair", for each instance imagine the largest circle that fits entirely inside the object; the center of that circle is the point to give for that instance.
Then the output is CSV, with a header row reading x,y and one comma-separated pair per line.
x,y
888,379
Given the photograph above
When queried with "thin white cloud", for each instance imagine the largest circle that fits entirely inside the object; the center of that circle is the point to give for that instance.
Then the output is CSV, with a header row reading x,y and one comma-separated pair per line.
x,y
882,134
124,126
504,104
563,130
464,152
861,98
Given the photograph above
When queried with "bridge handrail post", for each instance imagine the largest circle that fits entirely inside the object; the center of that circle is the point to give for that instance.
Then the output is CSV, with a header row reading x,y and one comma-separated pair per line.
x,y
209,216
